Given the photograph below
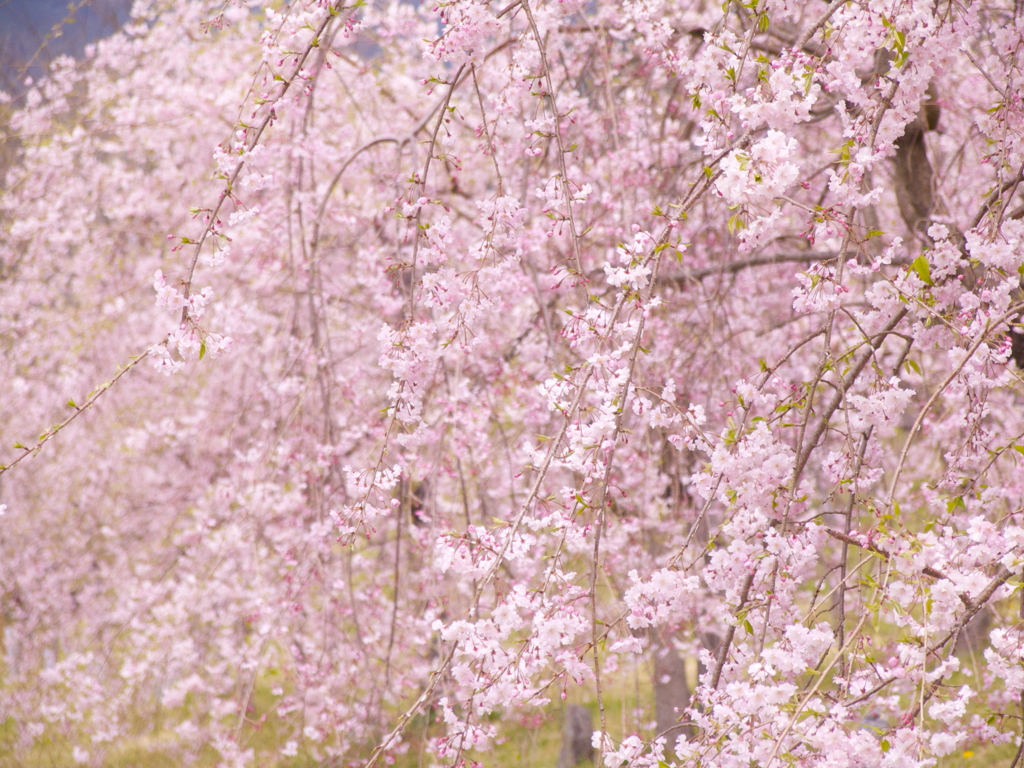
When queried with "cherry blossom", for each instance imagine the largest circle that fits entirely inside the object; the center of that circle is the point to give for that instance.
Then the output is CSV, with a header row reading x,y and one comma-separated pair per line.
x,y
377,376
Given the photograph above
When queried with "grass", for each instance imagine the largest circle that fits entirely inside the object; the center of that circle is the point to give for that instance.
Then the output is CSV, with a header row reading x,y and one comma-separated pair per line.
x,y
530,739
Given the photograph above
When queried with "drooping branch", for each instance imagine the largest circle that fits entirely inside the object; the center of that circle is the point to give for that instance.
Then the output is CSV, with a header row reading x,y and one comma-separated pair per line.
x,y
77,410
734,267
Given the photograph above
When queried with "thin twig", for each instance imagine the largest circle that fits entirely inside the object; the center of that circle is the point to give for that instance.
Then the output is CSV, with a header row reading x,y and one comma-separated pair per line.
x,y
1013,311
78,411
837,397
733,267
723,650
271,115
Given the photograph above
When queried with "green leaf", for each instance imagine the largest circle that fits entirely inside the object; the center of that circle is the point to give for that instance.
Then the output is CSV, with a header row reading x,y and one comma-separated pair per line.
x,y
71,404
923,270
202,350
844,153
748,626
914,366
736,223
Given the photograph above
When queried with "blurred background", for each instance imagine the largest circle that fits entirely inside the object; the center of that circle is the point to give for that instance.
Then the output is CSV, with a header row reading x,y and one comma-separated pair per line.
x,y
34,32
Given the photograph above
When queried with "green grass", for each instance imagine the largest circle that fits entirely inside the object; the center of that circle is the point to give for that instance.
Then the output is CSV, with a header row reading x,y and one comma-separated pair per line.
x,y
529,739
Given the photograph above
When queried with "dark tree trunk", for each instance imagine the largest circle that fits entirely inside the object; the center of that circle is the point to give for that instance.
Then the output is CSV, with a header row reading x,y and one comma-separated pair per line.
x,y
577,735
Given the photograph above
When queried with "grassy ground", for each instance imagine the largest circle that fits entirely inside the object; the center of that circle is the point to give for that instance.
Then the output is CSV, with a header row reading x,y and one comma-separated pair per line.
x,y
529,740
